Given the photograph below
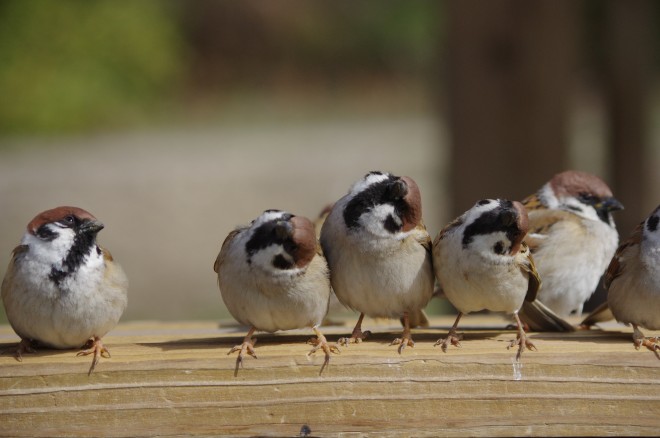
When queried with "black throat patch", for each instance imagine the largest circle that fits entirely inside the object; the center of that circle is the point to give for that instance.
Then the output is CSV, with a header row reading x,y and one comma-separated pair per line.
x,y
83,243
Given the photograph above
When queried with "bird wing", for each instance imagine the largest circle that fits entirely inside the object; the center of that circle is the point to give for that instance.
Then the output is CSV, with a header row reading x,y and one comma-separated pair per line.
x,y
9,275
224,249
533,202
616,265
603,312
422,236
526,263
542,222
106,254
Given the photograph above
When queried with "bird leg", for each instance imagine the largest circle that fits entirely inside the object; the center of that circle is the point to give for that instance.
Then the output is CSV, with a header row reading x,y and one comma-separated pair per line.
x,y
96,347
319,342
357,336
406,338
452,338
246,347
521,340
639,339
25,346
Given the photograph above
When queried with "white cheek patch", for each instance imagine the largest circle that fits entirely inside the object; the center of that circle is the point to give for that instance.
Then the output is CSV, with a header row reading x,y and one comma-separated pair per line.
x,y
50,252
547,196
485,243
652,237
263,259
368,181
579,208
373,220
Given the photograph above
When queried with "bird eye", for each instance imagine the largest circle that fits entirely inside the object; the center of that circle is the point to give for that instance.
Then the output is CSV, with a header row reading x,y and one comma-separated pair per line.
x,y
69,220
588,198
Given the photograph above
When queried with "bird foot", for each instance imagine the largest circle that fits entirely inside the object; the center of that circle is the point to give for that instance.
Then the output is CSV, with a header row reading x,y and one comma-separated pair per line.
x,y
522,342
96,347
452,338
320,343
356,337
402,342
247,347
652,344
25,346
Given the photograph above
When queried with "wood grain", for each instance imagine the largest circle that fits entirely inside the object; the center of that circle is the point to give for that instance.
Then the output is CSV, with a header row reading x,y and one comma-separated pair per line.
x,y
172,379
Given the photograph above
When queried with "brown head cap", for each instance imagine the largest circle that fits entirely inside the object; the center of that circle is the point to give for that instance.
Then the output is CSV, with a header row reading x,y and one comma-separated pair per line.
x,y
573,183
57,214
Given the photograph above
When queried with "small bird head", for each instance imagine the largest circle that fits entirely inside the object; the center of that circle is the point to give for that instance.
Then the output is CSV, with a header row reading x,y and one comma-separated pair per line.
x,y
495,226
63,237
583,194
279,241
383,204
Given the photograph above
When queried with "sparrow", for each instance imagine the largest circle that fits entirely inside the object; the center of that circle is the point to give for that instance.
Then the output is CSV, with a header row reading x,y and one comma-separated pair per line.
x,y
415,319
632,281
379,252
482,263
272,276
61,289
572,237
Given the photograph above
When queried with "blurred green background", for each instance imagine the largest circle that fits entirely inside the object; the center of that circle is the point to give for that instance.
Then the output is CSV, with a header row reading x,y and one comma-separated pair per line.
x,y
175,121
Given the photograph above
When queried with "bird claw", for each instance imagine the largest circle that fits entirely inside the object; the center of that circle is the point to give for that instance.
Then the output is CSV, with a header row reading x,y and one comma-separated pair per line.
x,y
356,337
25,346
452,338
320,343
247,347
652,344
96,348
522,342
403,342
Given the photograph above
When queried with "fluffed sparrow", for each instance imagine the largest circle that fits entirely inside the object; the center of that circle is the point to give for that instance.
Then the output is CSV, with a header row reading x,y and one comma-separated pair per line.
x,y
273,276
572,237
482,263
633,283
61,289
379,252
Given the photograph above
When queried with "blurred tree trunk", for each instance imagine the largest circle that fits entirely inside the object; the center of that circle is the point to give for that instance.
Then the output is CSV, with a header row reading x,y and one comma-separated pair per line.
x,y
629,48
510,81
628,83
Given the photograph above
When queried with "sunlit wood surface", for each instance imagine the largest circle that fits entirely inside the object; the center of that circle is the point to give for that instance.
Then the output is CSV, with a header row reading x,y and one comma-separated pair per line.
x,y
171,379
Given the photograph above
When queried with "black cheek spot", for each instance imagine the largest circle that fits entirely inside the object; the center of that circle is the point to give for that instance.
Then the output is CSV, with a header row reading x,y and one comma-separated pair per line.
x,y
652,223
391,225
45,233
483,202
281,263
499,248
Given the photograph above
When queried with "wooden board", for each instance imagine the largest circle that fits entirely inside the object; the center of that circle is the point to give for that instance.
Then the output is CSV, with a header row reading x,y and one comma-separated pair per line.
x,y
171,379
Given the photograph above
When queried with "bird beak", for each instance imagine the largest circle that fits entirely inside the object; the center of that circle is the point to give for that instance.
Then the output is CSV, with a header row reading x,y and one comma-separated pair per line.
x,y
398,189
609,204
283,229
92,226
509,217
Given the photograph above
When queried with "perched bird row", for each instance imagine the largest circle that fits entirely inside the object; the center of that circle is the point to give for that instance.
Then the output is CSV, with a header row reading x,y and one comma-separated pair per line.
x,y
538,260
